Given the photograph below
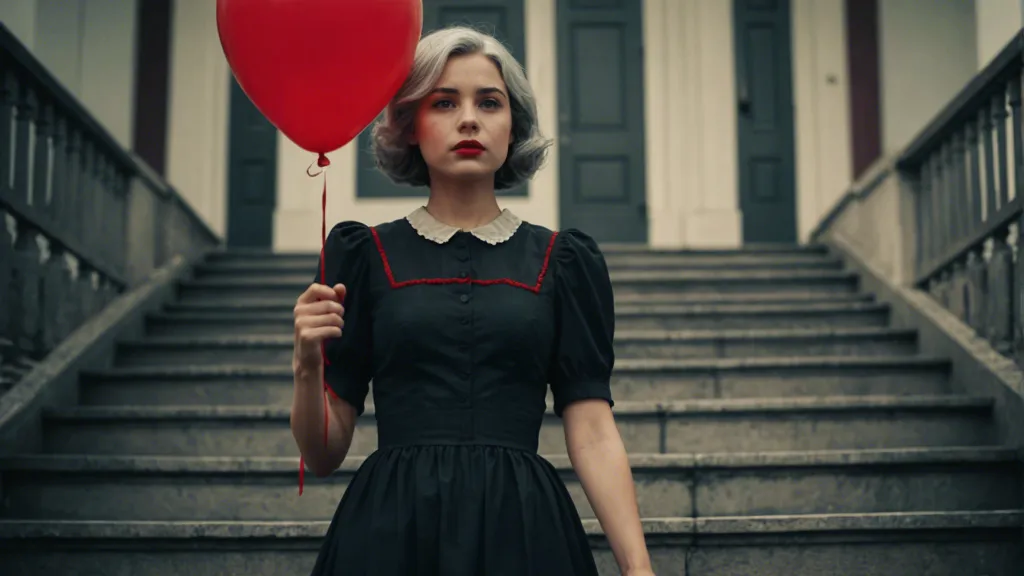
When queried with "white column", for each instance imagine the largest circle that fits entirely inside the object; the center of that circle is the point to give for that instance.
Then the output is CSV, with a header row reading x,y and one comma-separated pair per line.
x,y
541,206
714,218
198,111
689,83
664,221
821,91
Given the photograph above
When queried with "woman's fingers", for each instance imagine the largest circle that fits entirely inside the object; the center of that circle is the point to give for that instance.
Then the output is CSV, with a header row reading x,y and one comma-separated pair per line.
x,y
320,307
319,320
316,335
317,292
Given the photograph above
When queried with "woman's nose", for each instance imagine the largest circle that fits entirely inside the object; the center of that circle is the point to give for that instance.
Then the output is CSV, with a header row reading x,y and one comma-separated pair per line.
x,y
468,121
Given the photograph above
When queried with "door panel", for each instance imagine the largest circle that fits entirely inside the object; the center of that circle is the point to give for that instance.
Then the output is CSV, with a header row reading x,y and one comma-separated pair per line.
x,y
502,19
601,116
765,121
252,174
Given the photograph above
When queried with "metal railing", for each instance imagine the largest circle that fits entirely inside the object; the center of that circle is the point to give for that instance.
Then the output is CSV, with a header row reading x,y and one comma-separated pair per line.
x,y
967,171
81,219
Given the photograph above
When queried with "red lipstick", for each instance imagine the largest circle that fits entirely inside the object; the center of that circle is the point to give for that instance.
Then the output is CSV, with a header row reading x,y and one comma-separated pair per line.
x,y
469,148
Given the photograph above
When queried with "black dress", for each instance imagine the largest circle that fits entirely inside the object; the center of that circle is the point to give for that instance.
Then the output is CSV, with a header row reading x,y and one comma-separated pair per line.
x,y
461,340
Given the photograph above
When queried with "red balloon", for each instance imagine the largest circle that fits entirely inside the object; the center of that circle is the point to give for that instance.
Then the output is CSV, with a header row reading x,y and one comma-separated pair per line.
x,y
320,70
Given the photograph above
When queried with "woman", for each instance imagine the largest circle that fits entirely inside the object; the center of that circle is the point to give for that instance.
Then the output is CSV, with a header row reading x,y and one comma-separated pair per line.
x,y
461,314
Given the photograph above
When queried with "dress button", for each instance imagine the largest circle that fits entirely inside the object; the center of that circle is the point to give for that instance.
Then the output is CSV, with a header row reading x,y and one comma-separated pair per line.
x,y
462,274
464,298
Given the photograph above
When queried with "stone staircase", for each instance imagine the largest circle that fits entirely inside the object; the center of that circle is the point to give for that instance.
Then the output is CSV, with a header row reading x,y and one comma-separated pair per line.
x,y
776,424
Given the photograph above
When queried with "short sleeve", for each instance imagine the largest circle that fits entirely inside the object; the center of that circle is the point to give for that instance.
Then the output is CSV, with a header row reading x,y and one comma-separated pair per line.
x,y
584,322
349,366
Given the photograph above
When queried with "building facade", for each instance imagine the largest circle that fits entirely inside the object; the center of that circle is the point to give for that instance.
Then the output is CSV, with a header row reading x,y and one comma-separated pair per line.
x,y
677,123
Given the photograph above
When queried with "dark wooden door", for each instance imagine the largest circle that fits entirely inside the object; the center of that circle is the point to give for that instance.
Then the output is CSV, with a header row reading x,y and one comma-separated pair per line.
x,y
502,19
252,174
764,89
601,119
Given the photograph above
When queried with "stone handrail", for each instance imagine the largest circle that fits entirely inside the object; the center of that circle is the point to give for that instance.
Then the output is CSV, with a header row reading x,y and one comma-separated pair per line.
x,y
945,214
81,219
965,170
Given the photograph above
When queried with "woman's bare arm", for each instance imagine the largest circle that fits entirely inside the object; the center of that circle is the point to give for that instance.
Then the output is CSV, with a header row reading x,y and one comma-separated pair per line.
x,y
600,461
307,423
318,316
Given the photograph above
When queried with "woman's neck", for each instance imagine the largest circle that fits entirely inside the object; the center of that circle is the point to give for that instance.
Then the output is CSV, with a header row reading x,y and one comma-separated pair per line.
x,y
465,205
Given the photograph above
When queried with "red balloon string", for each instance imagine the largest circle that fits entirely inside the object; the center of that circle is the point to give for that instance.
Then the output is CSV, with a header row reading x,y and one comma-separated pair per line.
x,y
322,162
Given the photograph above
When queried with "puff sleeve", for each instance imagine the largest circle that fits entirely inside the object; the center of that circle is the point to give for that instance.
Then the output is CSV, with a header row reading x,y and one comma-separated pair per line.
x,y
349,367
584,355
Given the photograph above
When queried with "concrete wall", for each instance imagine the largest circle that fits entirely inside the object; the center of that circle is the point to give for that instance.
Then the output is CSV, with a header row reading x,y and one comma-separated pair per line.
x,y
927,57
997,21
89,45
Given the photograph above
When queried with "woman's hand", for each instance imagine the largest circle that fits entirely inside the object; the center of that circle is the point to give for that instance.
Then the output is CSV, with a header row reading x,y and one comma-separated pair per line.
x,y
319,315
639,572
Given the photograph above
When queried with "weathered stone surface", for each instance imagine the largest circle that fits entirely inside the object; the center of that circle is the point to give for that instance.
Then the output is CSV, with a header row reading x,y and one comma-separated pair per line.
x,y
684,485
277,349
948,544
238,428
220,319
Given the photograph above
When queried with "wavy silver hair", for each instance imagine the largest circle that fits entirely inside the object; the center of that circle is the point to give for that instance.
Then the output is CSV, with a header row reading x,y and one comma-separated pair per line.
x,y
403,162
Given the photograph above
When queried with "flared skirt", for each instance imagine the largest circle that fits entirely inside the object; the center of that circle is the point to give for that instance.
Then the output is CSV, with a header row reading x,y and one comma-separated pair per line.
x,y
455,510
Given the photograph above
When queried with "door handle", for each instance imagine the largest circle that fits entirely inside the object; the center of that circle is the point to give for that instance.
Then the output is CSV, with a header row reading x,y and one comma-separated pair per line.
x,y
742,89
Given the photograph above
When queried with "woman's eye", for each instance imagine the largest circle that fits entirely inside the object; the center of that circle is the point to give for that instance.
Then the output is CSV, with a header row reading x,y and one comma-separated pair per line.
x,y
443,104
491,103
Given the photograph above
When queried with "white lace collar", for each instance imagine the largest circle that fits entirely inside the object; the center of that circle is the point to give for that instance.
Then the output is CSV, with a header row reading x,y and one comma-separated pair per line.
x,y
494,232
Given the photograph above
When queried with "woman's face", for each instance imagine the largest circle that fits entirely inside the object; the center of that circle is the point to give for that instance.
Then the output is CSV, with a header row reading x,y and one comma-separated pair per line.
x,y
464,127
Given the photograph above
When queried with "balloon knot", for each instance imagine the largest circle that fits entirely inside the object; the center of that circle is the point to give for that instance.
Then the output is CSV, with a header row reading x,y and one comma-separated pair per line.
x,y
321,163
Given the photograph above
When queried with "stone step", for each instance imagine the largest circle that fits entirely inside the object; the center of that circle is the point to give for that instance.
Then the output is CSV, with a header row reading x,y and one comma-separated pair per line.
x,y
793,282
632,379
737,425
753,249
308,266
77,487
886,544
234,321
747,252
285,303
135,488
270,350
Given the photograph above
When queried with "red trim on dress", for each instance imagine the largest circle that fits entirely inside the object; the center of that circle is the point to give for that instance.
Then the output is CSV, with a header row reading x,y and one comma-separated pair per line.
x,y
394,285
